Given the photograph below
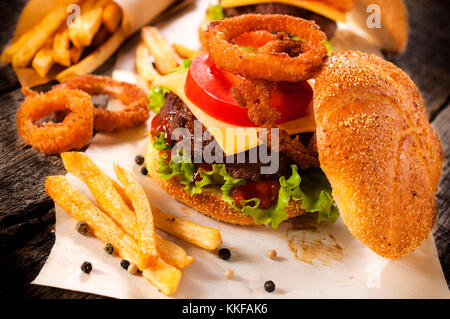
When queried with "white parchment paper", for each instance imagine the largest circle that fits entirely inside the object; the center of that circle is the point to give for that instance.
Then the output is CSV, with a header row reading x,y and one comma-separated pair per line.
x,y
343,268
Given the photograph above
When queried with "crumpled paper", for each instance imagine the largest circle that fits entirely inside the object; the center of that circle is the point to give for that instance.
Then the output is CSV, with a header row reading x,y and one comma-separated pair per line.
x,y
314,261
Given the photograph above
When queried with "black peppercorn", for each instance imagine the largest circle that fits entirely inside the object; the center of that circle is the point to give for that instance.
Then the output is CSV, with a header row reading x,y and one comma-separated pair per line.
x,y
109,248
224,253
144,170
82,227
139,159
86,267
124,264
269,286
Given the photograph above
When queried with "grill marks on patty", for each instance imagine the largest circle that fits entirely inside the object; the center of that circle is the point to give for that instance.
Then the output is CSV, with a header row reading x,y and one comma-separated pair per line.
x,y
175,114
326,25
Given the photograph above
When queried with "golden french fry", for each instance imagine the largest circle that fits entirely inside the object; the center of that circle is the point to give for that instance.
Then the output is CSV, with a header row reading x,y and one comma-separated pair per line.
x,y
23,50
202,236
108,199
112,14
95,59
199,235
43,60
61,47
100,37
165,58
186,53
75,54
144,63
82,32
146,229
163,276
112,203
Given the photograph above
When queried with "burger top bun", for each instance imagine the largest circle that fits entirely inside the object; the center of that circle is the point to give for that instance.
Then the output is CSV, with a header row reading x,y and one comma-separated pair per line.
x,y
378,150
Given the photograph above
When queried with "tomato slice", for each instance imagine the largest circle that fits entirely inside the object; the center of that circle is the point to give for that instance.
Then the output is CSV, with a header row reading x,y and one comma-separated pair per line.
x,y
210,89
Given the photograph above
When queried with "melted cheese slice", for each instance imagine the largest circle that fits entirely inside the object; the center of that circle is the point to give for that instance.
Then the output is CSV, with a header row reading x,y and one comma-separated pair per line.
x,y
314,6
231,138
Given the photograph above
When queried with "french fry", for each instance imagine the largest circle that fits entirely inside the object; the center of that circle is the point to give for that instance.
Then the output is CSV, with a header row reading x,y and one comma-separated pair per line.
x,y
199,235
22,51
82,33
75,54
61,47
43,60
165,58
186,53
163,276
146,229
108,199
144,63
95,59
111,194
112,14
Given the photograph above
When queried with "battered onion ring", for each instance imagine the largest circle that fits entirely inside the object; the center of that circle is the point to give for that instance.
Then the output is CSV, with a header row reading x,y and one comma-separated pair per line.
x,y
51,138
271,66
135,99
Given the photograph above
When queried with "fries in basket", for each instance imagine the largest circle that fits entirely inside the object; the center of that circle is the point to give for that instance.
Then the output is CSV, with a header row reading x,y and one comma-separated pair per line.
x,y
126,220
58,46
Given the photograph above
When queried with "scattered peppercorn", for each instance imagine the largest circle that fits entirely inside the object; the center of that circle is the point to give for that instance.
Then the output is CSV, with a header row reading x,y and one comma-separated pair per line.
x,y
82,227
229,274
109,248
124,264
224,253
139,159
86,267
269,286
144,170
272,254
132,269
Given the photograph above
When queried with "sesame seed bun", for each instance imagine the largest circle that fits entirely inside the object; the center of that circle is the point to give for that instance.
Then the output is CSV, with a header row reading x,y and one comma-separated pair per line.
x,y
209,204
378,150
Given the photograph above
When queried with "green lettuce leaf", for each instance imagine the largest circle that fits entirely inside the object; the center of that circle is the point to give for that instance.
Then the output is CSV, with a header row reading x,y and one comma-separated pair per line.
x,y
310,186
215,12
181,166
184,65
160,143
157,99
329,47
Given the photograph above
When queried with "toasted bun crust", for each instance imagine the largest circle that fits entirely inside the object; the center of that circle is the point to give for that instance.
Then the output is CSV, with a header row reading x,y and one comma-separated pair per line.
x,y
393,34
209,204
378,150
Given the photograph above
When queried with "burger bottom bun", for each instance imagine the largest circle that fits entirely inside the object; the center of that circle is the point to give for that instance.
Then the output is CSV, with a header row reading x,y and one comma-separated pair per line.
x,y
209,204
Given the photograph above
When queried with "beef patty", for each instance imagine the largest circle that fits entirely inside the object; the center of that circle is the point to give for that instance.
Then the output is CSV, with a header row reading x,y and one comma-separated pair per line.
x,y
175,114
326,25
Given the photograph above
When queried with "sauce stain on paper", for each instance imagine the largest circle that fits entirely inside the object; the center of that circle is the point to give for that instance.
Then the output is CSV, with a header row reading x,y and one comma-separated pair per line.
x,y
310,244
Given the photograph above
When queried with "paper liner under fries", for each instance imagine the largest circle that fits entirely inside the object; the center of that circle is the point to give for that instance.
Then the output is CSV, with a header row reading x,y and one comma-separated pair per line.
x,y
136,13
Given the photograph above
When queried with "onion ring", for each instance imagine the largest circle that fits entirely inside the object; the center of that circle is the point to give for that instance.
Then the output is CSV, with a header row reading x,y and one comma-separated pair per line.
x,y
135,99
271,66
51,138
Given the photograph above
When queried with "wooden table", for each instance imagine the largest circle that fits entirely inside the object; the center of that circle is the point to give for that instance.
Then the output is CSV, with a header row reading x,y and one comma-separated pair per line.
x,y
27,215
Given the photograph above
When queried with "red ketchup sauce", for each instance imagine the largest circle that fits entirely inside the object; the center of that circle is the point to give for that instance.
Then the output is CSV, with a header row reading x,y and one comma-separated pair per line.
x,y
266,191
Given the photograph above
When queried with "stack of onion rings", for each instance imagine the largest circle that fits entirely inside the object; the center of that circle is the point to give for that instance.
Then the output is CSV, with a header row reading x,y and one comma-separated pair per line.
x,y
51,138
294,51
134,98
269,66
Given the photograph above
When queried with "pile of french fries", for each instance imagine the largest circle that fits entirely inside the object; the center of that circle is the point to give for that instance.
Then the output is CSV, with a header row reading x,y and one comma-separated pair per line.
x,y
126,220
154,48
60,41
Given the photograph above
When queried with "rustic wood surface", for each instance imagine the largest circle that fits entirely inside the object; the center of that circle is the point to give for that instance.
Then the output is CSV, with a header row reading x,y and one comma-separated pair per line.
x,y
27,214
